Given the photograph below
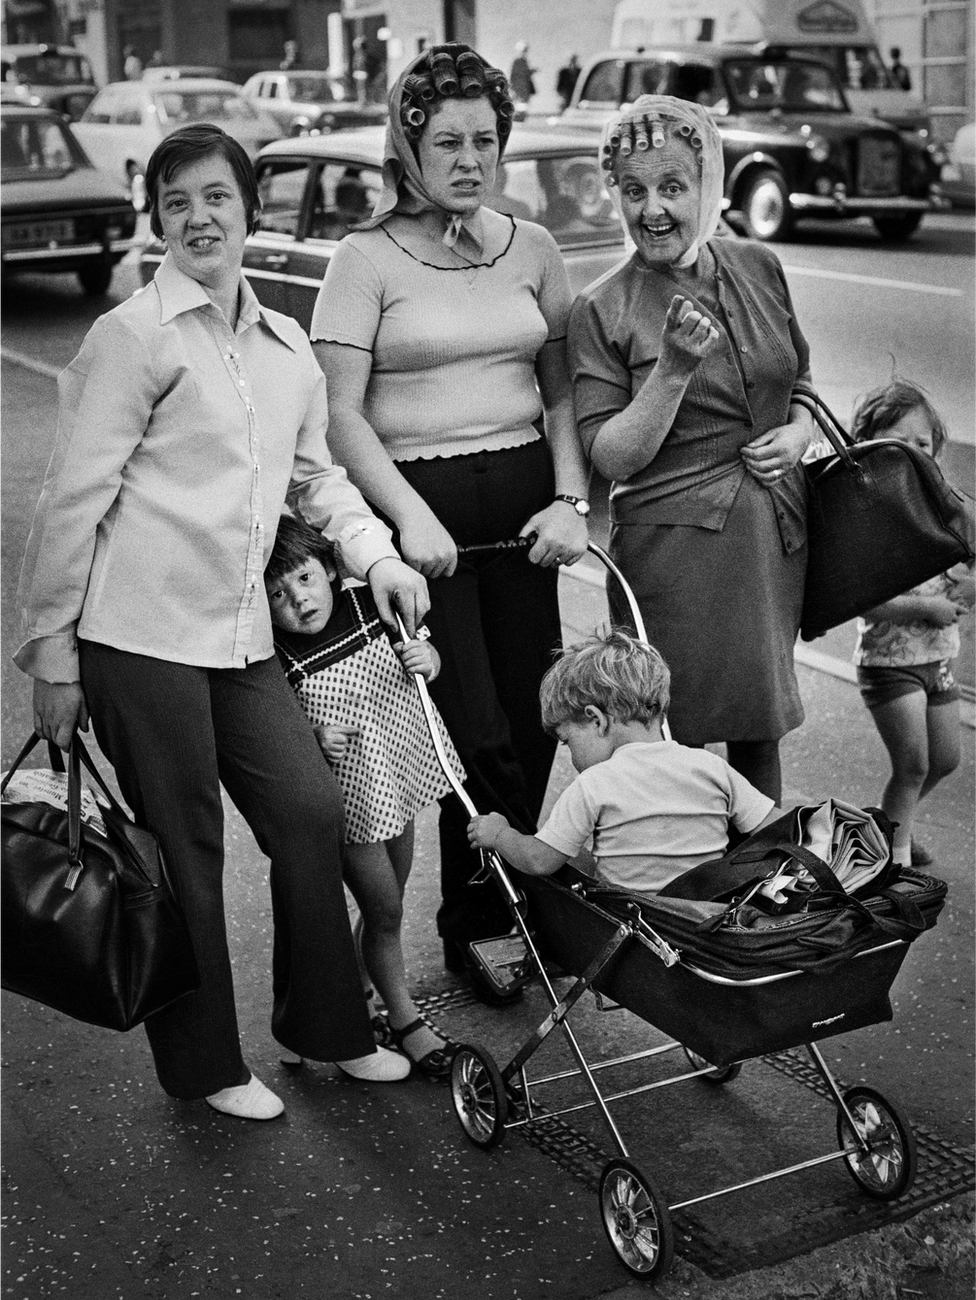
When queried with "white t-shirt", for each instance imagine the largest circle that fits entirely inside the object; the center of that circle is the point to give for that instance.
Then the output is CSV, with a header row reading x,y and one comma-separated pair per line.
x,y
653,811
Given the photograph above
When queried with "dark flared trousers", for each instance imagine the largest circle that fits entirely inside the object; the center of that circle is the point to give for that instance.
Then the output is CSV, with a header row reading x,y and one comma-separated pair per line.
x,y
174,733
495,623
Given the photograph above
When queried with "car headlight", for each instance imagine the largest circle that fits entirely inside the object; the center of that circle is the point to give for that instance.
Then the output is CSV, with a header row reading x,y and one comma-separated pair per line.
x,y
818,147
937,152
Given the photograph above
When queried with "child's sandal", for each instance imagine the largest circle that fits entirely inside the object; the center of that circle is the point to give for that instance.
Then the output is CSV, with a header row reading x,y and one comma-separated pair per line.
x,y
436,1064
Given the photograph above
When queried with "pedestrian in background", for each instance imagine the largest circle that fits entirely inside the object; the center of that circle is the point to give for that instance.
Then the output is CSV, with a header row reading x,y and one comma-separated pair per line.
x,y
132,64
902,76
522,77
189,418
566,80
441,330
907,646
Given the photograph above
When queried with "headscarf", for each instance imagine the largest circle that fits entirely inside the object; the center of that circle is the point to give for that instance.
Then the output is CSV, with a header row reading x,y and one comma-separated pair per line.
x,y
403,189
646,125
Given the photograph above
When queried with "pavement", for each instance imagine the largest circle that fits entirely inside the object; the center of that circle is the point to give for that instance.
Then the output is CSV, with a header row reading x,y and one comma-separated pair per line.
x,y
113,1190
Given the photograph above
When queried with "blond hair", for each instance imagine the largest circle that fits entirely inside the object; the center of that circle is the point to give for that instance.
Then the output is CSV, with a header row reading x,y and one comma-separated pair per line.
x,y
625,678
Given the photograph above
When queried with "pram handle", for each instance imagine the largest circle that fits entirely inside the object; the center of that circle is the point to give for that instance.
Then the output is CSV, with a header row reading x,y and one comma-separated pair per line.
x,y
524,543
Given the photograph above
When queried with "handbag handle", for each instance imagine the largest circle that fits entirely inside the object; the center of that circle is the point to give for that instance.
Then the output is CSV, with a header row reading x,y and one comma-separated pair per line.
x,y
828,423
77,755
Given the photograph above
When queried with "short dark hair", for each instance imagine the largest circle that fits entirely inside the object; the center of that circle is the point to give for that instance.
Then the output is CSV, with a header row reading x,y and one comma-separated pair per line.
x,y
295,544
189,144
883,407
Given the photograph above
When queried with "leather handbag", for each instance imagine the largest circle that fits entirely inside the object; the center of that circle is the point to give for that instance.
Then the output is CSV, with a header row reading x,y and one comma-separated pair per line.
x,y
881,519
90,923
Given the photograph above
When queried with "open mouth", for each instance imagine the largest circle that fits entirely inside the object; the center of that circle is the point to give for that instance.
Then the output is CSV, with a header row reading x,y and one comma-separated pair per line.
x,y
660,232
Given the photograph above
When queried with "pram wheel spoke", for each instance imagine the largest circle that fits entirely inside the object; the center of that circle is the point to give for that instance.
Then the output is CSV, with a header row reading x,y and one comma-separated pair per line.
x,y
717,1075
478,1094
636,1220
886,1170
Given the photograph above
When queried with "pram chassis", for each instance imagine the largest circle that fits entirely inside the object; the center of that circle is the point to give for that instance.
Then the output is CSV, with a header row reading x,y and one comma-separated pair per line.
x,y
874,1139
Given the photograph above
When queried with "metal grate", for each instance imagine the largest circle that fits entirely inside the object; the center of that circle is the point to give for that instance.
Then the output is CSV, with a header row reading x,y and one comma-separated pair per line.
x,y
878,165
944,1170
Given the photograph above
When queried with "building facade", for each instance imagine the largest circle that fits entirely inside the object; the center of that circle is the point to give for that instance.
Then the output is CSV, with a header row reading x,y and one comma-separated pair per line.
x,y
936,42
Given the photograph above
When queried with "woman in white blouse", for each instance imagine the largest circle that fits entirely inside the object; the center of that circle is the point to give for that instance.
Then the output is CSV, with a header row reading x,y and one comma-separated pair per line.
x,y
189,419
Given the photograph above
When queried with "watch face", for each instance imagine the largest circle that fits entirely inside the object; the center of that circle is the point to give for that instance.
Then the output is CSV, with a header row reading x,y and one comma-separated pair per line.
x,y
579,505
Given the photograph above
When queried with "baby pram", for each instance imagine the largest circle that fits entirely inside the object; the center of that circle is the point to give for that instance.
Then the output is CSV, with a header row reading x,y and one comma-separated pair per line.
x,y
724,996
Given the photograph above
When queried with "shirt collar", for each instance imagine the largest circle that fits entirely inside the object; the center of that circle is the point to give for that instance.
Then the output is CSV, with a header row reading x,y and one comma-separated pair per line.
x,y
179,293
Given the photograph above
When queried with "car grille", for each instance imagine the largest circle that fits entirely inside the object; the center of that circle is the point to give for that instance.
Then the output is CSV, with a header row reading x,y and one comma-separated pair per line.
x,y
878,165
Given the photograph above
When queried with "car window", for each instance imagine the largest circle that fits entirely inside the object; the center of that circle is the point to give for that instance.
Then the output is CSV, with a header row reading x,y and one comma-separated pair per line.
x,y
128,111
102,107
269,90
645,78
281,187
604,85
694,82
566,195
793,87
310,90
53,69
36,146
176,105
344,194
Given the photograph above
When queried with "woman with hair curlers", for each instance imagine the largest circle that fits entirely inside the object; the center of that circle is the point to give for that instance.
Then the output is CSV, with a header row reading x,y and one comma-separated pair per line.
x,y
685,358
441,329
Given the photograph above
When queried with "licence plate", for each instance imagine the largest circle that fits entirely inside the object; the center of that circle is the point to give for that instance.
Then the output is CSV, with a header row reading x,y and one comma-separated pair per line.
x,y
37,234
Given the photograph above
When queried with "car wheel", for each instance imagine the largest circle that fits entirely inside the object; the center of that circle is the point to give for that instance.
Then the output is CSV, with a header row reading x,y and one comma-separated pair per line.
x,y
766,207
95,278
137,187
897,228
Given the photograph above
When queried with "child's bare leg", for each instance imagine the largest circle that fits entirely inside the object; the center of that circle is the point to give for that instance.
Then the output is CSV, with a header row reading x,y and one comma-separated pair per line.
x,y
902,725
377,890
942,724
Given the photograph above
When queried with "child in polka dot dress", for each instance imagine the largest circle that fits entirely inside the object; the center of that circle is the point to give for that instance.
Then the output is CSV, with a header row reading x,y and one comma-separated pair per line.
x,y
356,690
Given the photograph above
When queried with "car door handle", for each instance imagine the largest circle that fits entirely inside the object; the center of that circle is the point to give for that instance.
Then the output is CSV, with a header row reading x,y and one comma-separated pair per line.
x,y
276,259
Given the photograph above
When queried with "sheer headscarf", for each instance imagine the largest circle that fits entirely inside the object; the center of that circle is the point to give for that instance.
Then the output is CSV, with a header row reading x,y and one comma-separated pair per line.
x,y
647,124
442,72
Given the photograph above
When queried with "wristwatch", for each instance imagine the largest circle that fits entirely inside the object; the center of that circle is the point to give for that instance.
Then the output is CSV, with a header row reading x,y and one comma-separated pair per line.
x,y
581,507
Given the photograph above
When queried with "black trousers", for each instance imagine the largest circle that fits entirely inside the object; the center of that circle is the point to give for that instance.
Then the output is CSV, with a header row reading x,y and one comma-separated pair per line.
x,y
174,733
495,623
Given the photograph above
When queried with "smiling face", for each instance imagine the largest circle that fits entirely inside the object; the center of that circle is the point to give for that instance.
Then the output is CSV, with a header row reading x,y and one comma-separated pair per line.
x,y
458,154
302,600
660,196
204,221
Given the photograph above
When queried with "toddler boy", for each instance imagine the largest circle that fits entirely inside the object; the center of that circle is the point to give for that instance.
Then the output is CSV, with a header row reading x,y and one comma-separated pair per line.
x,y
652,808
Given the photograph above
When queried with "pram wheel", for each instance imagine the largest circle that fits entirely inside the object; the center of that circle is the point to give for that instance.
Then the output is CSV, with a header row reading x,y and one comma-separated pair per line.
x,y
887,1170
636,1220
718,1074
478,1094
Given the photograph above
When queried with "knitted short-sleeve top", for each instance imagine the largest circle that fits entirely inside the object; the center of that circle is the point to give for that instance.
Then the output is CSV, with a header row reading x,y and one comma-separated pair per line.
x,y
454,350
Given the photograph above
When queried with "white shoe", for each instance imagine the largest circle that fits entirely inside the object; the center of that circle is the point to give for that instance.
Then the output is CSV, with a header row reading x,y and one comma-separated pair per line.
x,y
381,1066
251,1100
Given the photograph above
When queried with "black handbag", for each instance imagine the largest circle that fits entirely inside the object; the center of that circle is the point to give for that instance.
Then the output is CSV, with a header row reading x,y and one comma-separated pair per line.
x,y
881,519
90,924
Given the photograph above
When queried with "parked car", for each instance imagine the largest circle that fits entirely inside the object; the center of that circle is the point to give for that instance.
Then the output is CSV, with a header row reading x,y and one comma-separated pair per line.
x,y
792,146
303,102
180,71
59,75
314,189
127,119
959,174
57,213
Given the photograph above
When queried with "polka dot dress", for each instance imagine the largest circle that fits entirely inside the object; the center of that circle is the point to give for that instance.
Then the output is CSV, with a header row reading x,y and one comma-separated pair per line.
x,y
390,770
